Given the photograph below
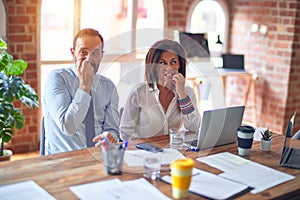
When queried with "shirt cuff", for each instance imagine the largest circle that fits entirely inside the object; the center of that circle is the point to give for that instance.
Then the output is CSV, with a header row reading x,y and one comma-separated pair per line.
x,y
186,105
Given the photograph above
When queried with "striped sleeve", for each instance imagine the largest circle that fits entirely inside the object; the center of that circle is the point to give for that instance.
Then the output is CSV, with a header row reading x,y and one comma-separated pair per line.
x,y
186,105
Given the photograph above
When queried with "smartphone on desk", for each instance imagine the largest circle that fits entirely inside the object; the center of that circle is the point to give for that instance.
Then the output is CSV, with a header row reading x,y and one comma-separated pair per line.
x,y
149,147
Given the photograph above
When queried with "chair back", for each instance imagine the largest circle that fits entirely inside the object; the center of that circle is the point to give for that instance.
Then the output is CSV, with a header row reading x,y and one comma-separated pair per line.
x,y
42,138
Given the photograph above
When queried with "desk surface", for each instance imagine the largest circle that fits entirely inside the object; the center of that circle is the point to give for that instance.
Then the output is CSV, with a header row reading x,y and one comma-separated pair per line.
x,y
56,173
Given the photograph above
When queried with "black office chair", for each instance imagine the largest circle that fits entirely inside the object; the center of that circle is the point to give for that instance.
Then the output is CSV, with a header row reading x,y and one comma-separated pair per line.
x,y
42,138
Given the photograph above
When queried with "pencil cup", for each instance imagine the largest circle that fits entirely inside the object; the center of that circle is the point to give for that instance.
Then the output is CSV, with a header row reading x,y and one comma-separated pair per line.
x,y
181,173
245,140
113,155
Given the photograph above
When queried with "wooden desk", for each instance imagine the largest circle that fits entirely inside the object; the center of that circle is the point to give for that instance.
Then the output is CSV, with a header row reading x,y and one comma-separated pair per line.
x,y
56,173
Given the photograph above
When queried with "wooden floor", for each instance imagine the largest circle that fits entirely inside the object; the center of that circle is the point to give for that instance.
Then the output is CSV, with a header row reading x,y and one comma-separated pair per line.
x,y
20,156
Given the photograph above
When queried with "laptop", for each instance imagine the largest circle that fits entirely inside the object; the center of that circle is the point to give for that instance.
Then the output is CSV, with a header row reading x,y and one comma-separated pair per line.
x,y
218,127
233,62
290,156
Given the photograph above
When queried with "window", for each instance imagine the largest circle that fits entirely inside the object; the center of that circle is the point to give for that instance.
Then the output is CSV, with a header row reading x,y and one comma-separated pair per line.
x,y
122,23
210,17
115,20
2,21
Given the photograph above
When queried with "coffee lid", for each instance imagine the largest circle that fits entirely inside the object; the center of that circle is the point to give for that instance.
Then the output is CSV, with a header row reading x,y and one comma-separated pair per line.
x,y
184,163
246,129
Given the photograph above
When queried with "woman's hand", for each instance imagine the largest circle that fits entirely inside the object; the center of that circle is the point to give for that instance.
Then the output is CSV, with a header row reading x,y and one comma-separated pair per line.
x,y
180,85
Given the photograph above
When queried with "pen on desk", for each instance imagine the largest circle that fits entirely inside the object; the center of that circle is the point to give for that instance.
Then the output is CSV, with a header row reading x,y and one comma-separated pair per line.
x,y
192,148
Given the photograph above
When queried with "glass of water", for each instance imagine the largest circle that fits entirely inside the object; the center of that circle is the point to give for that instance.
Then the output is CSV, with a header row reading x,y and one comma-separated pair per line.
x,y
152,165
176,138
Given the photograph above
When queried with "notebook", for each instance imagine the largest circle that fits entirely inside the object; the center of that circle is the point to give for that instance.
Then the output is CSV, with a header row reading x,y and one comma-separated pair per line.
x,y
218,127
290,156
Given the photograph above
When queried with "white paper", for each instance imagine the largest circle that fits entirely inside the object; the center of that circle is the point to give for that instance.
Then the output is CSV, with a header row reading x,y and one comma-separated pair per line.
x,y
224,161
24,190
135,157
211,186
118,190
258,176
97,189
245,171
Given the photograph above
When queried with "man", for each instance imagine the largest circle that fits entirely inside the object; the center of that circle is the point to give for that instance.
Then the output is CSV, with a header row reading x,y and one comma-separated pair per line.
x,y
70,92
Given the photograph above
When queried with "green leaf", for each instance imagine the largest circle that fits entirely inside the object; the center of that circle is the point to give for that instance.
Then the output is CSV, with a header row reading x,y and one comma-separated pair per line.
x,y
3,45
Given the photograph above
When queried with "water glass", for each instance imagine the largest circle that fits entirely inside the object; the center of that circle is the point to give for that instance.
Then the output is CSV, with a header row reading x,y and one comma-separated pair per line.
x,y
176,138
152,165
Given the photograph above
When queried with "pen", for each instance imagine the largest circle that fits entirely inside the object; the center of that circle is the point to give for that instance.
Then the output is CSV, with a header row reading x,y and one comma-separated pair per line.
x,y
192,148
104,145
125,144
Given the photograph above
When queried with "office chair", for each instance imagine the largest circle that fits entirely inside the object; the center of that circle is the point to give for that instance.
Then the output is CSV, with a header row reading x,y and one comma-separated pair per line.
x,y
42,138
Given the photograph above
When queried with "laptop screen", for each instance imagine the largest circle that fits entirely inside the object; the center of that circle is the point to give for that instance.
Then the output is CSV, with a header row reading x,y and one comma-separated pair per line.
x,y
291,149
233,61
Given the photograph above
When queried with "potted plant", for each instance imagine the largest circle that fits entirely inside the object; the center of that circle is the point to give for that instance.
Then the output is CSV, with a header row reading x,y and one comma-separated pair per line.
x,y
266,140
12,88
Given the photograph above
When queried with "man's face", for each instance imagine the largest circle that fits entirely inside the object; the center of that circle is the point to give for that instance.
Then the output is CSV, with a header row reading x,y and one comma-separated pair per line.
x,y
88,48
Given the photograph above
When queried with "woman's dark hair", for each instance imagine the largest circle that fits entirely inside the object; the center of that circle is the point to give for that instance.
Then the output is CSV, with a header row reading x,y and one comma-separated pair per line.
x,y
154,54
89,32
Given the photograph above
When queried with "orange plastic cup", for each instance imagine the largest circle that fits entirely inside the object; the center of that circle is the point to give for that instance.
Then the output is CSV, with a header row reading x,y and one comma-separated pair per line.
x,y
181,173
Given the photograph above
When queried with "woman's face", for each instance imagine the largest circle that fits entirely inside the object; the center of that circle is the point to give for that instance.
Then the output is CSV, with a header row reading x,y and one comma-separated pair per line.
x,y
168,66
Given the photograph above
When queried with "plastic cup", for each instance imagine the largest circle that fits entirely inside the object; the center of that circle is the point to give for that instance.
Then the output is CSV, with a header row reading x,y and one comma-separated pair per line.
x,y
181,173
113,155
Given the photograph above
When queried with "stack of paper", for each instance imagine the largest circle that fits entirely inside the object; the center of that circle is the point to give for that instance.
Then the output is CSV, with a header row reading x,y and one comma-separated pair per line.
x,y
212,186
246,172
24,190
136,157
116,189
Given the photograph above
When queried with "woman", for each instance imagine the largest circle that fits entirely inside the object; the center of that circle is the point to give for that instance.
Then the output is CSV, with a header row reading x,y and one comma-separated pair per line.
x,y
163,102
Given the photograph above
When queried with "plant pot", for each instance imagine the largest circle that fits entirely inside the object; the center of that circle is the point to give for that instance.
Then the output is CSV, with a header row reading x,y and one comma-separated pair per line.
x,y
265,145
6,156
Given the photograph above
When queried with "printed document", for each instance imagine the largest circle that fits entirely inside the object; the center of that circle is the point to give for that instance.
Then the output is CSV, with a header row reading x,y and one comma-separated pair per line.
x,y
135,157
212,186
24,190
246,172
116,189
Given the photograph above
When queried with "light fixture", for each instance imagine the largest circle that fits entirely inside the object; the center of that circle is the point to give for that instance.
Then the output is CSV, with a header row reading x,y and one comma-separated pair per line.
x,y
219,41
254,28
263,29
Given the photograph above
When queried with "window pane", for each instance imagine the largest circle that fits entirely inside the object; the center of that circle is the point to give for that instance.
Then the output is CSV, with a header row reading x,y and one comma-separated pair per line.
x,y
208,17
56,29
151,17
110,18
2,21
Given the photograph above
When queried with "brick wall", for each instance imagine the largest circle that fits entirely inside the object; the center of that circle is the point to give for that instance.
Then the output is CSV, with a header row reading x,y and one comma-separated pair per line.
x,y
275,56
293,103
23,43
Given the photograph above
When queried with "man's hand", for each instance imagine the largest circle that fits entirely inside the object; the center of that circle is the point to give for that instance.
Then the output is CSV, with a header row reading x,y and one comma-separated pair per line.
x,y
99,138
85,74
